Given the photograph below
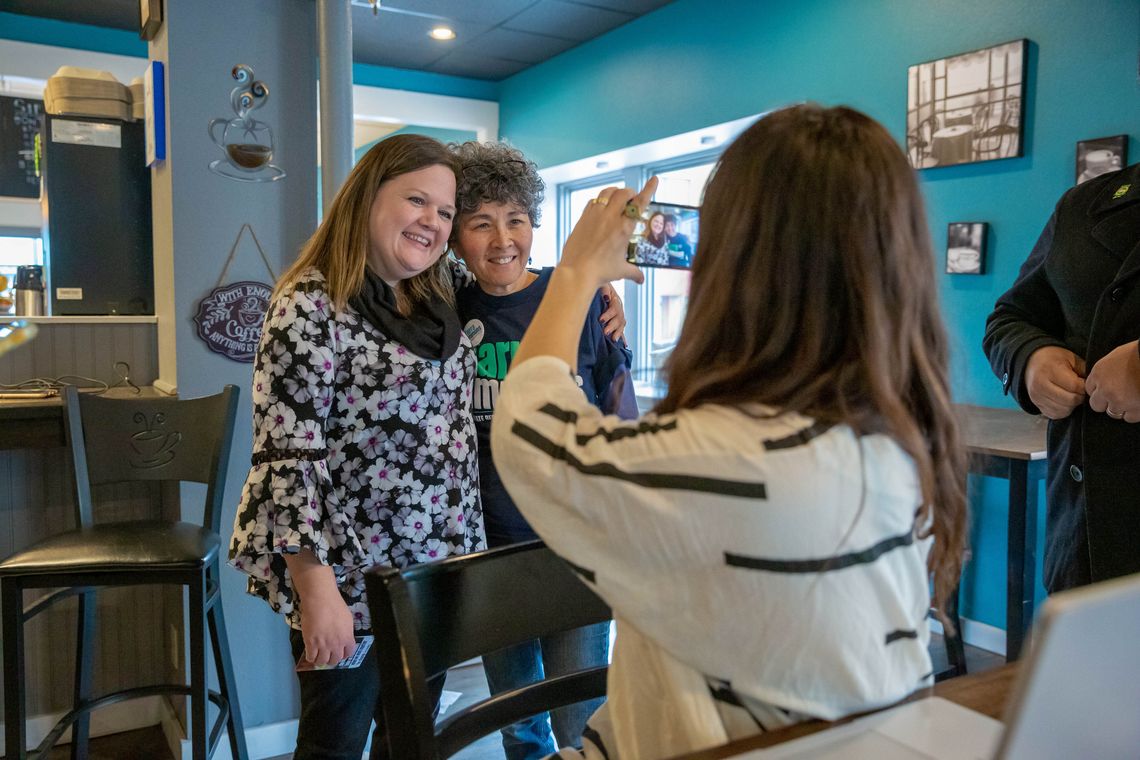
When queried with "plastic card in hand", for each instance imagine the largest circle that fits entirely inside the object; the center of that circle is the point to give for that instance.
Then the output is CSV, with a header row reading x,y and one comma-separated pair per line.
x,y
363,644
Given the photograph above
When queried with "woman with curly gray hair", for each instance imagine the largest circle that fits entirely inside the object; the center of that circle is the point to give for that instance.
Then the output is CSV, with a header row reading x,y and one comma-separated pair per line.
x,y
498,201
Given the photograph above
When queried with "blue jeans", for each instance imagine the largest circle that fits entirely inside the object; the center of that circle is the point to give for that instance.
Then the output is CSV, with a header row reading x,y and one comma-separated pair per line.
x,y
535,660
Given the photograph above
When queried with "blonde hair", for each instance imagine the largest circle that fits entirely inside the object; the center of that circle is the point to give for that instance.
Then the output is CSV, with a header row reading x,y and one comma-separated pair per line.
x,y
339,247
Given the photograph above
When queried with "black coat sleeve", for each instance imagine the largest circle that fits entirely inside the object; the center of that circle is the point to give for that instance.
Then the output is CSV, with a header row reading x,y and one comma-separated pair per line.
x,y
1025,318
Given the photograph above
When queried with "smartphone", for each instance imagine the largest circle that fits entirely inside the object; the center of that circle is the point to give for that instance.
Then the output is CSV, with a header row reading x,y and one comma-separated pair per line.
x,y
666,237
363,644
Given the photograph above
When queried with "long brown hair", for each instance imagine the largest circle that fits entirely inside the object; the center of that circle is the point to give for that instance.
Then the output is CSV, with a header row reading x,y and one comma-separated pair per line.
x,y
814,249
339,247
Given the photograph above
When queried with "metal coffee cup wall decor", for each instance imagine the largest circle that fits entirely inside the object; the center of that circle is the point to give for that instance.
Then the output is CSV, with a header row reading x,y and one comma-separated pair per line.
x,y
245,142
229,319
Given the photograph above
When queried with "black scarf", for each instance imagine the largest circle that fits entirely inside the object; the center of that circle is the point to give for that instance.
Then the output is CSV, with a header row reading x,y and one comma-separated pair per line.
x,y
430,331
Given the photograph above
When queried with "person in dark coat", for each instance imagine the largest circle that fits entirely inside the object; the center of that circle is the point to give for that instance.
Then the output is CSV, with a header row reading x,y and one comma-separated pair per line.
x,y
1063,341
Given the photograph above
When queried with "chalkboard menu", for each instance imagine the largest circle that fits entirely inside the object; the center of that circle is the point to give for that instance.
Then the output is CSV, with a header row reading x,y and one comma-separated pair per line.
x,y
19,125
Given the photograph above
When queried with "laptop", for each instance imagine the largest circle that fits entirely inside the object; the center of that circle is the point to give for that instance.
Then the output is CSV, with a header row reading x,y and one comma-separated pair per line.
x,y
1077,696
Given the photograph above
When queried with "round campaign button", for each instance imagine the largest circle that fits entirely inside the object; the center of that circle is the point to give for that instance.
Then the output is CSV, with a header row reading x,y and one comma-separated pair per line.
x,y
474,331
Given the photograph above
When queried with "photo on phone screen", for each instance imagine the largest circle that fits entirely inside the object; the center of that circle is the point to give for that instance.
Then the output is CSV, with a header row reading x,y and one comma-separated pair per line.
x,y
666,237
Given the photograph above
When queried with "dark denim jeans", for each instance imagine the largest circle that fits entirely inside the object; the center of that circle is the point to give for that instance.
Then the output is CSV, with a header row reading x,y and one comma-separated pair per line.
x,y
535,660
339,706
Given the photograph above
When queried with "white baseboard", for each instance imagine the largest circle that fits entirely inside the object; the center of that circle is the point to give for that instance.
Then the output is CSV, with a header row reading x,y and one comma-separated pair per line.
x,y
980,635
112,719
269,740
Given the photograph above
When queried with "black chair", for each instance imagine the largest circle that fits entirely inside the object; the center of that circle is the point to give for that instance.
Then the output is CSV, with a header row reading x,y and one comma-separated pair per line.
x,y
116,440
430,617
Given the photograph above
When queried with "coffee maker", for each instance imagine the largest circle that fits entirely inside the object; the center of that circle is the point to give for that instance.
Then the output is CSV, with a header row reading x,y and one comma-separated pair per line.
x,y
29,291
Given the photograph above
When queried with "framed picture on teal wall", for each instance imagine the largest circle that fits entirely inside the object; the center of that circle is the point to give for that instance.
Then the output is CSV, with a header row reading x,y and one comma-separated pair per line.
x,y
967,107
966,247
1101,156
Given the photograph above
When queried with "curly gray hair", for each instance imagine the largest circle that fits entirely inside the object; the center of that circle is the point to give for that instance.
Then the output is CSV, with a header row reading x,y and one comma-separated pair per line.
x,y
494,172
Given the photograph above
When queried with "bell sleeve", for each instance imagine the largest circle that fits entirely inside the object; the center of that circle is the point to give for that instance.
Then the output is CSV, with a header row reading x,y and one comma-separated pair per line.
x,y
289,501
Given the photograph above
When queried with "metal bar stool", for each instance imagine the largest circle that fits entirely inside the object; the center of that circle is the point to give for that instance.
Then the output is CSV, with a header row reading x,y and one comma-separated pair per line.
x,y
111,441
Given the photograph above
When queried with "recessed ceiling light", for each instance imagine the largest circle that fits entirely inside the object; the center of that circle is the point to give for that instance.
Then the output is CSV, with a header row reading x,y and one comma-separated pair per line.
x,y
442,33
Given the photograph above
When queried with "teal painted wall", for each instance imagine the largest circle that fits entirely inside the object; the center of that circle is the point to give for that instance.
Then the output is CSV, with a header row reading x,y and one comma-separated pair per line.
x,y
692,64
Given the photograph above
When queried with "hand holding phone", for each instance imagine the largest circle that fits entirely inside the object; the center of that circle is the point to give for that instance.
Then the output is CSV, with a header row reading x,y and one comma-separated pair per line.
x,y
665,237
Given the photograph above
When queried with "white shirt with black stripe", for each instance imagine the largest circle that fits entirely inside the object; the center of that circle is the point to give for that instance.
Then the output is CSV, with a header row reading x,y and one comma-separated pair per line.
x,y
758,564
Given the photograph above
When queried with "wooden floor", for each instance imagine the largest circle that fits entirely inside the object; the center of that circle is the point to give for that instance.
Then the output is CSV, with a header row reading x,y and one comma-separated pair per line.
x,y
149,743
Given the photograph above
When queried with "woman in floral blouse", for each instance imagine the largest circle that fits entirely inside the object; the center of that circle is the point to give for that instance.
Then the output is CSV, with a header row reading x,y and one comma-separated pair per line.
x,y
364,444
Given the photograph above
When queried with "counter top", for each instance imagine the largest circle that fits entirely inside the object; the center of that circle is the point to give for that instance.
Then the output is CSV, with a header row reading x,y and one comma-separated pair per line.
x,y
130,319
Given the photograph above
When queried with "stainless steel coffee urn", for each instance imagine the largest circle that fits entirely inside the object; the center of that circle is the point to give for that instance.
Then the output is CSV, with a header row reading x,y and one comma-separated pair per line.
x,y
29,291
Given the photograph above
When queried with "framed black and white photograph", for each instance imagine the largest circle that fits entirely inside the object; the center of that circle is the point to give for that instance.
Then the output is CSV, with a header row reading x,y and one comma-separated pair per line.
x,y
966,248
1101,156
966,107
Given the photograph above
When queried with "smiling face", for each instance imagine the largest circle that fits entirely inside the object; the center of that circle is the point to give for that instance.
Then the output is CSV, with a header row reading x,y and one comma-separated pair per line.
x,y
656,224
494,242
410,222
670,228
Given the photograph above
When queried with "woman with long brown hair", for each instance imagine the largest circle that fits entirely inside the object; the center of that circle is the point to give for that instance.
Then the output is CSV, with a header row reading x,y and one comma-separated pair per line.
x,y
766,537
364,442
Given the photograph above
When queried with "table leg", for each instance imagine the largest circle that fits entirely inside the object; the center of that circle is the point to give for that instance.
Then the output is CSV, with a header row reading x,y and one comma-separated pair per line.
x,y
1021,567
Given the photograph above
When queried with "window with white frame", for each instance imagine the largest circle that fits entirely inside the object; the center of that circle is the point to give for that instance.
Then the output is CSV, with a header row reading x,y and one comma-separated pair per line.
x,y
656,309
664,299
572,200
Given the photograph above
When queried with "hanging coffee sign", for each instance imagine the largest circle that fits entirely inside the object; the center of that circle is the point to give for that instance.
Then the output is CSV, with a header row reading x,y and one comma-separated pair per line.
x,y
229,319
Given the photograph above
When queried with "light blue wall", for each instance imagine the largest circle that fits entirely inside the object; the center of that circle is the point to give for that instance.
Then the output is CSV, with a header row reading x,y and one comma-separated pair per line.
x,y
694,63
198,217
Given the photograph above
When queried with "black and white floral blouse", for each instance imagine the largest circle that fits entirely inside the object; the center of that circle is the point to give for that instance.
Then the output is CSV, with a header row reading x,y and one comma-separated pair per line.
x,y
363,452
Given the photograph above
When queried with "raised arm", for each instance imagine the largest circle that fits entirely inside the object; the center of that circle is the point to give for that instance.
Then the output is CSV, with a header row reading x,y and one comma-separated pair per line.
x,y
594,255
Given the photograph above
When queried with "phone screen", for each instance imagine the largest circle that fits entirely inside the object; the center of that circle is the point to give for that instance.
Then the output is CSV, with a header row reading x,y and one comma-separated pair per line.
x,y
666,237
